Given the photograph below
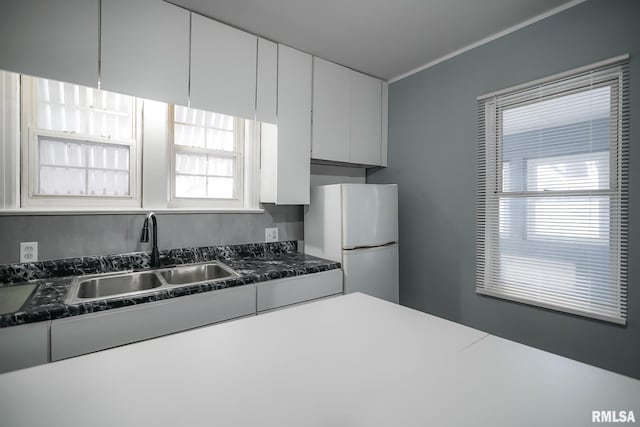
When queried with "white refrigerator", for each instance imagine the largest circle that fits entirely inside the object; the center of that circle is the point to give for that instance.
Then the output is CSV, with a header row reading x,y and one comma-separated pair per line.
x,y
357,225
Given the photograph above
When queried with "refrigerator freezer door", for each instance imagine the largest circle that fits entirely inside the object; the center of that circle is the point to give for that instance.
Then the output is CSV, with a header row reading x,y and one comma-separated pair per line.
x,y
372,271
369,215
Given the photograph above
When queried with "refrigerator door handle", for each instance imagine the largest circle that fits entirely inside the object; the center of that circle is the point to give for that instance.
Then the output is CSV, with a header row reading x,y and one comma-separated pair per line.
x,y
381,245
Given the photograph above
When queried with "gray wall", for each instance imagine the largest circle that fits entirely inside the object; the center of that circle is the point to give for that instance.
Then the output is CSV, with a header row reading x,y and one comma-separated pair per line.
x,y
61,236
331,174
433,158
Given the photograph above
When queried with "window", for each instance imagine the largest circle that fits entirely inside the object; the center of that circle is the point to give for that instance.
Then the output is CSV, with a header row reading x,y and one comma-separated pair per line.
x,y
81,144
563,218
69,147
207,158
505,219
553,192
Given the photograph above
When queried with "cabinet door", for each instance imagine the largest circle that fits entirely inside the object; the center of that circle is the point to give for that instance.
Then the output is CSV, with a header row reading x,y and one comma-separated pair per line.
x,y
93,332
145,49
223,68
293,290
294,127
23,346
330,140
366,116
267,84
52,39
385,124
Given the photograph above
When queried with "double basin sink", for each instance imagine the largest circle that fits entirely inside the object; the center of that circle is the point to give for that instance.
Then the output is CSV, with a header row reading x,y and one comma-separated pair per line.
x,y
109,285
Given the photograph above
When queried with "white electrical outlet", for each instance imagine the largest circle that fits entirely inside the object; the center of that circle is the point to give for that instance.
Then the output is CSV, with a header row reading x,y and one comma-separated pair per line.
x,y
28,251
271,234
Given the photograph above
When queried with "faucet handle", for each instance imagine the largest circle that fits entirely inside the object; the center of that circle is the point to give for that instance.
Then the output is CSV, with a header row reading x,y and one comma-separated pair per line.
x,y
144,235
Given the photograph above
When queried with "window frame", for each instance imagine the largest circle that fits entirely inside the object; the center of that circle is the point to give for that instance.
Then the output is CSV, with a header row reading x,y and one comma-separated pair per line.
x,y
612,72
30,134
238,201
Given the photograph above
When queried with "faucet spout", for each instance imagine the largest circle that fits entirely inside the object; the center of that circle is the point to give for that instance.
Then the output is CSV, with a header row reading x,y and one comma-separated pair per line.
x,y
144,237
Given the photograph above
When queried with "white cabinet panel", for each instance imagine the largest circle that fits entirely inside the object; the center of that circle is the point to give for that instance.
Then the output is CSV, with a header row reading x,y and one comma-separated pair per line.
x,y
92,332
331,116
385,124
285,151
155,161
294,126
53,39
366,115
349,116
269,163
301,303
266,92
323,223
223,68
23,346
293,290
145,49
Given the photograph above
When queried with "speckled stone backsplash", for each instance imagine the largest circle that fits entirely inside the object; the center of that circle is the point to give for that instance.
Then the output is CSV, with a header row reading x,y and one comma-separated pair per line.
x,y
22,272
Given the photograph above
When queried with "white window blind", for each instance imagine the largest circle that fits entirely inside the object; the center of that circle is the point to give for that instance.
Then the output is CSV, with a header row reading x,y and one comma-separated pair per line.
x,y
207,155
82,140
553,192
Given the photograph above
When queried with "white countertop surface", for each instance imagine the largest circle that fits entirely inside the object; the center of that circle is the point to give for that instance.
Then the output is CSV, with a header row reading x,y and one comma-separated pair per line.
x,y
348,361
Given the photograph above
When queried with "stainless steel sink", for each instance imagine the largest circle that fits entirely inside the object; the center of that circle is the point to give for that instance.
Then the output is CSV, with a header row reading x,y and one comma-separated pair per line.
x,y
196,273
13,297
109,285
116,285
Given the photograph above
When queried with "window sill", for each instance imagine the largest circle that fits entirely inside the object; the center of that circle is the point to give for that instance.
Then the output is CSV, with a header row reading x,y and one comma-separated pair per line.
x,y
122,211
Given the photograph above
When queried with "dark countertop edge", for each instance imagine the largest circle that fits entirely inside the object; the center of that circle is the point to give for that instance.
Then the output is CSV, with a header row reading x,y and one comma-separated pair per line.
x,y
61,311
95,264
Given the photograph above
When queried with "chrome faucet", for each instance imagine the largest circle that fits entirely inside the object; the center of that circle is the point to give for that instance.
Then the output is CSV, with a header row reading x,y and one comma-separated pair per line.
x,y
144,238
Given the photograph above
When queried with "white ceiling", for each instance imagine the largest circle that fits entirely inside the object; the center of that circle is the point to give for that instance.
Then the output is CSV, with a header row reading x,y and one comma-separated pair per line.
x,y
384,38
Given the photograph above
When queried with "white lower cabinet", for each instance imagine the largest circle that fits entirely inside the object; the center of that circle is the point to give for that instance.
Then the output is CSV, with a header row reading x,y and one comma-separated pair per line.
x,y
38,343
293,290
23,346
93,332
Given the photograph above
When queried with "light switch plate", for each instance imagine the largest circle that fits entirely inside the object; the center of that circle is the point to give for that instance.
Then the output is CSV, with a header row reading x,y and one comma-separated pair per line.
x,y
271,234
28,251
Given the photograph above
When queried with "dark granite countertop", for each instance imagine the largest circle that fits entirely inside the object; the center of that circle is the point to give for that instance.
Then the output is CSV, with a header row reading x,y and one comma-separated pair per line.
x,y
253,262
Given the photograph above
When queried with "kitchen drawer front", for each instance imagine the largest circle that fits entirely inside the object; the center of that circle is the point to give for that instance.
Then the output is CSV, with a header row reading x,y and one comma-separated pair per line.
x,y
301,303
93,332
23,346
292,290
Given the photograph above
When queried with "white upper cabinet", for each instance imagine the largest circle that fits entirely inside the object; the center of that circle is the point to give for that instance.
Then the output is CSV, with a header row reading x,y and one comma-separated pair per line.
x,y
52,39
294,126
349,118
366,120
267,81
145,49
223,68
331,105
285,151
